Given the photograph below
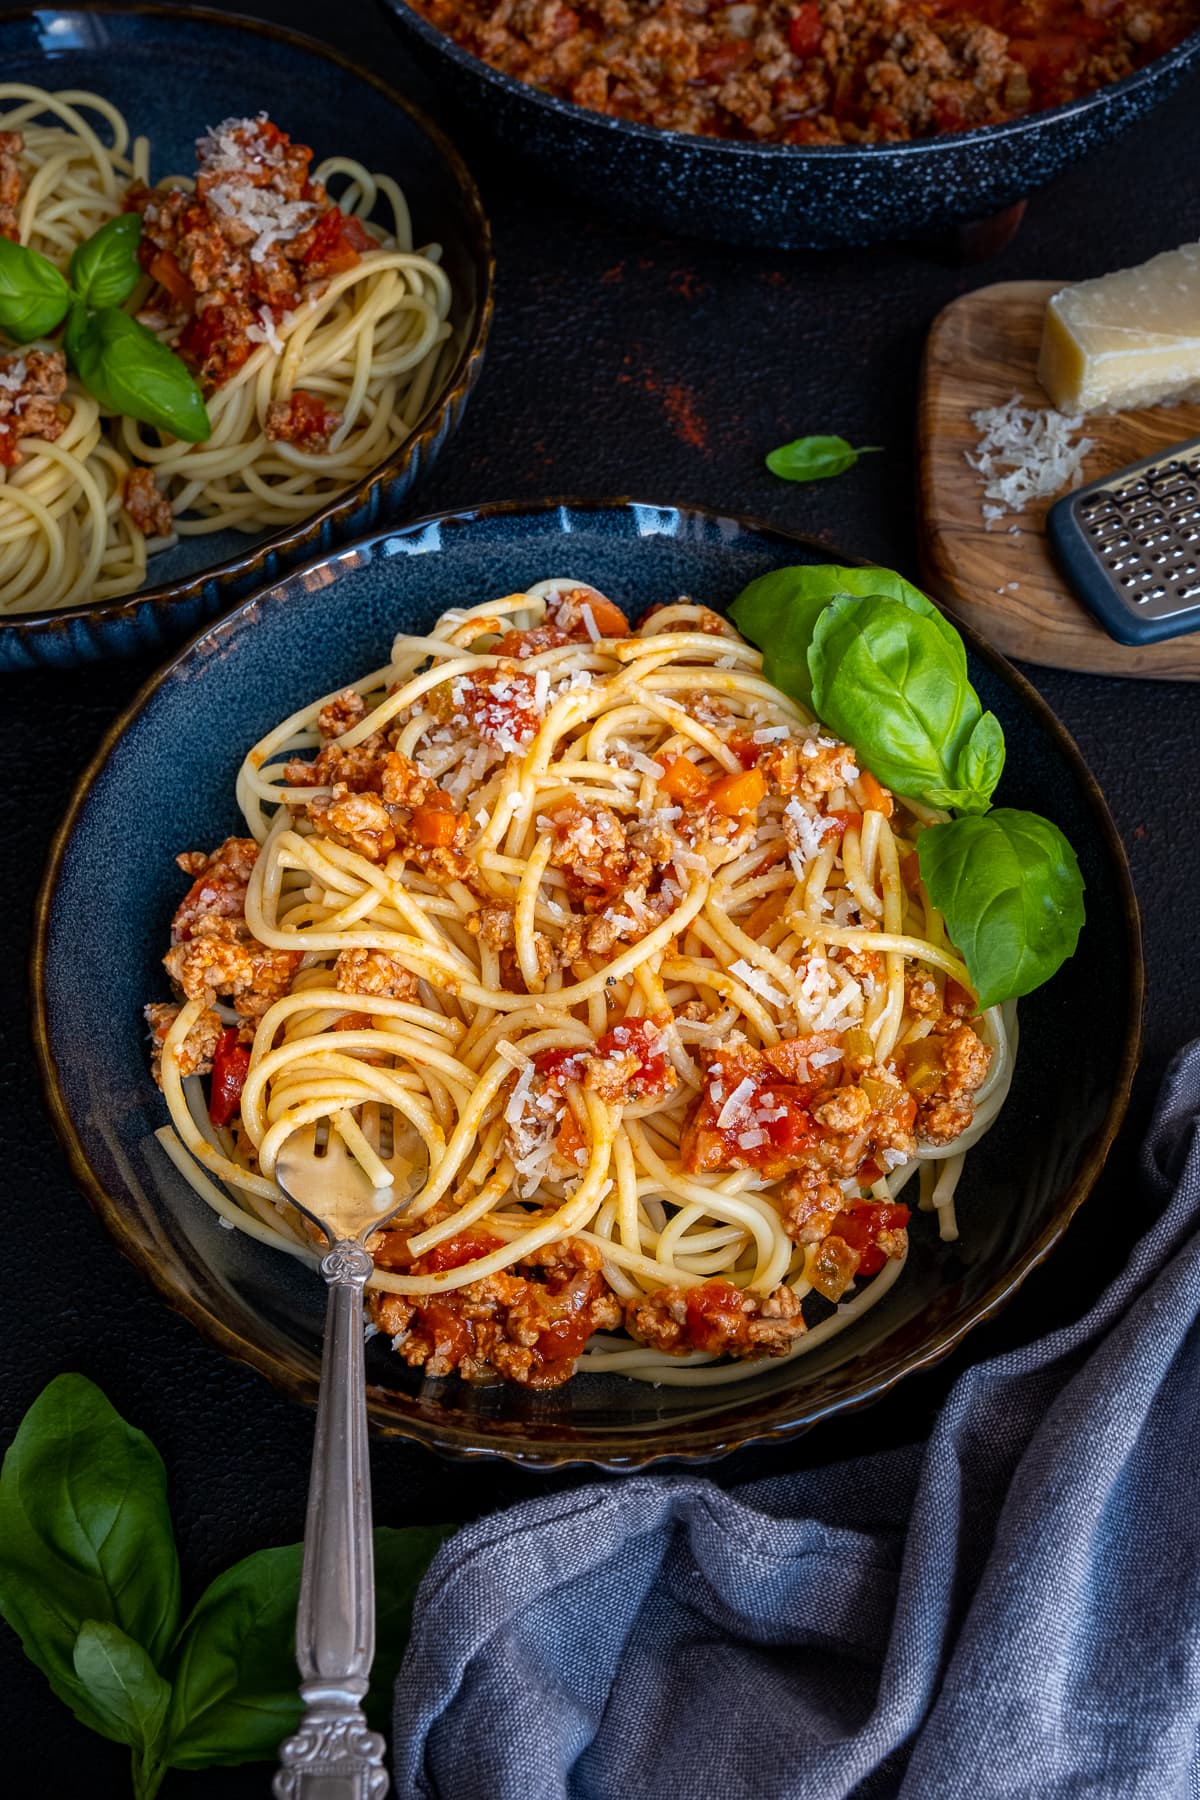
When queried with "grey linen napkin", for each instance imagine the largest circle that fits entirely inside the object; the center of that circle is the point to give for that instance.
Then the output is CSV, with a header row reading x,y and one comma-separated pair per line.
x,y
1011,1609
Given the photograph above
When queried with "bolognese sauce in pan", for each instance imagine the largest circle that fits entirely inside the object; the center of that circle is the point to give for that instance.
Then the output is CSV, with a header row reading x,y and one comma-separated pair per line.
x,y
816,71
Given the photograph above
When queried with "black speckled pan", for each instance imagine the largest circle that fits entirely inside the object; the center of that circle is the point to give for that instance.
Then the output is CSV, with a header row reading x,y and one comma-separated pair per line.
x,y
790,197
170,762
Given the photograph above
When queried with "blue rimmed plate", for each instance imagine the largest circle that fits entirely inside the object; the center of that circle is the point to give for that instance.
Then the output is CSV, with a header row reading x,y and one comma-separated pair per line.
x,y
163,781
220,67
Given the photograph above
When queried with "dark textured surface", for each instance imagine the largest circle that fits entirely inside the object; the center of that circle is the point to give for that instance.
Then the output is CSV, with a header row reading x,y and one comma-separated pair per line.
x,y
620,361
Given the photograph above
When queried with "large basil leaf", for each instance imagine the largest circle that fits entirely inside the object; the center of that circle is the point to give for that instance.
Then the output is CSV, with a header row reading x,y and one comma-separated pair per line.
x,y
892,683
779,612
126,1690
1009,888
85,1534
235,1693
401,1559
104,269
131,372
33,295
235,1688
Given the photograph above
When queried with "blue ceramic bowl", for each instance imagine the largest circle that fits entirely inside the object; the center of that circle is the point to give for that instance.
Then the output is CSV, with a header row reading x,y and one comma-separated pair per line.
x,y
173,71
114,888
784,196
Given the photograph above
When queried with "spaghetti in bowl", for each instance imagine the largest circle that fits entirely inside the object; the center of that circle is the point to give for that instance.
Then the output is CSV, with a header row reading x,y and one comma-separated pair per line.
x,y
638,955
332,308
1018,1186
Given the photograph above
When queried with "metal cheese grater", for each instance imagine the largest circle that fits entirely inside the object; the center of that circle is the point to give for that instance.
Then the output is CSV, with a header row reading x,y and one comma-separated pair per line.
x,y
1129,545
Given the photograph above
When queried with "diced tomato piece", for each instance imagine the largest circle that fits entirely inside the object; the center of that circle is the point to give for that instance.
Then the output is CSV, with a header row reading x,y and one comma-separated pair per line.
x,y
338,242
737,795
231,1065
682,780
861,1225
842,821
714,1314
910,870
728,56
805,28
455,1252
442,1321
10,454
559,1066
744,749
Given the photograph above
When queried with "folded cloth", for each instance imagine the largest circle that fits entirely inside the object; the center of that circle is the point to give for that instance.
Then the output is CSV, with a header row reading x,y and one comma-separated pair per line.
x,y
1012,1608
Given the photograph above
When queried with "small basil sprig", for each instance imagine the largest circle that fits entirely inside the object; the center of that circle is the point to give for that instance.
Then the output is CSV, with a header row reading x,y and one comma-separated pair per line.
x,y
125,366
886,670
89,1580
816,458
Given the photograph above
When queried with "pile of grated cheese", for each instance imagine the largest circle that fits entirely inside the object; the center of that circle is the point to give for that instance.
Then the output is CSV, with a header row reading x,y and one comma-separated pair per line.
x,y
1025,453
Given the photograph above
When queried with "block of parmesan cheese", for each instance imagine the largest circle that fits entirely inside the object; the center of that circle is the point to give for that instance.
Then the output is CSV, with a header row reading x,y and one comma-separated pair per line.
x,y
1127,339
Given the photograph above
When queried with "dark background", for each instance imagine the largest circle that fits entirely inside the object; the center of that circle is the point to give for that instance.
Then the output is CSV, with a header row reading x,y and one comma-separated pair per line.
x,y
621,362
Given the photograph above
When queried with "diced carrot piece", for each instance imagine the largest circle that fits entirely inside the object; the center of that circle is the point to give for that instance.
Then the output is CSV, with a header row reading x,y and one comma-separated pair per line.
x,y
608,619
735,795
433,826
764,914
168,274
682,780
570,1138
875,797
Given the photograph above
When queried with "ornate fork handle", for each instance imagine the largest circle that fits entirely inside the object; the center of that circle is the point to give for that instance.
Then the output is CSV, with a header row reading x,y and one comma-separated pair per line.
x,y
333,1756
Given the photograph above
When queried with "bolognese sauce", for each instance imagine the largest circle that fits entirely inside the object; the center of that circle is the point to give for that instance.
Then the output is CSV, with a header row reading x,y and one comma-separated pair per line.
x,y
816,71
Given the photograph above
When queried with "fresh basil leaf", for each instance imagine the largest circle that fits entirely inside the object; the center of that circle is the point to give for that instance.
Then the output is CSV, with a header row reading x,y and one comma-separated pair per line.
x,y
131,372
235,1692
126,1690
816,458
85,1534
1009,888
33,295
235,1683
104,269
401,1559
890,682
779,612
981,764
77,320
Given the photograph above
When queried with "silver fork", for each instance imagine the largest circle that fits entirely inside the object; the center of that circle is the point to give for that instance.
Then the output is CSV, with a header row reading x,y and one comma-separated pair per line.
x,y
333,1755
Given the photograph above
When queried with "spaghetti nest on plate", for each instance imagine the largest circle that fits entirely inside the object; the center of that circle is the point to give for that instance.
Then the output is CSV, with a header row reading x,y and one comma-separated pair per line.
x,y
314,327
634,955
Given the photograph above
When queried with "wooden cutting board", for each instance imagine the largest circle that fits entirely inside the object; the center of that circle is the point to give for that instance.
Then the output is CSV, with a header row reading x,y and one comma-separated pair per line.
x,y
981,351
